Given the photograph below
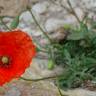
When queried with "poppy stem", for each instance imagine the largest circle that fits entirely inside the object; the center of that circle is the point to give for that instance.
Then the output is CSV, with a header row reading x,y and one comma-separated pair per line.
x,y
40,79
46,78
42,30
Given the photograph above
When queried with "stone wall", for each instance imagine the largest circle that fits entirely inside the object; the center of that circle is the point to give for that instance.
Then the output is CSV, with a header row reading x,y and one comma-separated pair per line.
x,y
52,18
50,15
15,7
12,7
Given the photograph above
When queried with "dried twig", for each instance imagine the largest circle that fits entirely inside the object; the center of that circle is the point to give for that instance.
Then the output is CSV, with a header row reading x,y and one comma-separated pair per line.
x,y
1,19
71,10
39,25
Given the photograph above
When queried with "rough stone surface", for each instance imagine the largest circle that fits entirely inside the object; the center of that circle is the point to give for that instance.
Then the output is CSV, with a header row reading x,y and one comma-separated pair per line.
x,y
13,91
52,24
87,4
39,69
41,8
12,7
22,88
79,92
51,18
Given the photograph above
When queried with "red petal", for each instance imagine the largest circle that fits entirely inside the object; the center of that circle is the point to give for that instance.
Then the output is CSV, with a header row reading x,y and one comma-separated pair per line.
x,y
18,46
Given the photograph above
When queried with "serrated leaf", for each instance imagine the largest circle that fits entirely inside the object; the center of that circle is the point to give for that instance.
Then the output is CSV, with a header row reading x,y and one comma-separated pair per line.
x,y
14,23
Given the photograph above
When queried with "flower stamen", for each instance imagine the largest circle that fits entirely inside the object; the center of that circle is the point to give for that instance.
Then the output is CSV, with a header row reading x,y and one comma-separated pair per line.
x,y
5,60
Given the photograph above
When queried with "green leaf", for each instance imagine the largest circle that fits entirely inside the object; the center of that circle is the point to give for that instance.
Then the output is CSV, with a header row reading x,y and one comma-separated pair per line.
x,y
50,64
92,34
67,56
83,27
94,25
76,36
78,33
37,49
89,60
14,23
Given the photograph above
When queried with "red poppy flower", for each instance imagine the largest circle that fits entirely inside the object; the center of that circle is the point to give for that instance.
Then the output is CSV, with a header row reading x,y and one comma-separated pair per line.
x,y
16,53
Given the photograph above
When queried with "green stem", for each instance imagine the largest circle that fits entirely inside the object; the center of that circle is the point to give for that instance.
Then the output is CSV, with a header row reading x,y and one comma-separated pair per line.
x,y
42,49
46,78
72,9
67,9
46,35
45,51
60,93
39,25
84,20
40,79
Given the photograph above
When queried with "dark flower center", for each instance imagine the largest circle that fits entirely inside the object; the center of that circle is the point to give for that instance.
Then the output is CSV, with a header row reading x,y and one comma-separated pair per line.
x,y
5,60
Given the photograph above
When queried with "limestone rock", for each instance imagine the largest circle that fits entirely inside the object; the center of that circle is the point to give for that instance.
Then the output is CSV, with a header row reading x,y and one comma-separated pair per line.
x,y
40,8
13,92
89,5
26,16
53,24
80,92
39,69
12,7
